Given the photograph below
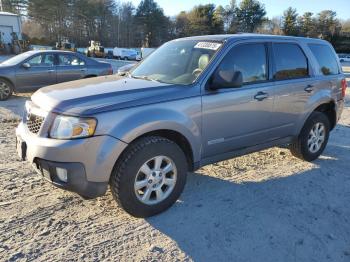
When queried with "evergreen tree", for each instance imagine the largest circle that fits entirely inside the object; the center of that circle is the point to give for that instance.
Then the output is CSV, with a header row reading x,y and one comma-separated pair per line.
x,y
307,25
290,25
328,26
250,14
153,25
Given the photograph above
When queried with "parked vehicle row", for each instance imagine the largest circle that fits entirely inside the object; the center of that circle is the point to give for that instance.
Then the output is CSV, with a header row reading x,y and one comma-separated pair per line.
x,y
192,102
34,69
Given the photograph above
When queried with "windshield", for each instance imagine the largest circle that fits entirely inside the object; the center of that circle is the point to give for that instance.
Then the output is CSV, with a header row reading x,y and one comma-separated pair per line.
x,y
17,59
177,62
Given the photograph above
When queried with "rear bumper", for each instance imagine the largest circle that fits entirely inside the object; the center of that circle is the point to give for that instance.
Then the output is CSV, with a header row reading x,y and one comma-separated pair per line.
x,y
76,179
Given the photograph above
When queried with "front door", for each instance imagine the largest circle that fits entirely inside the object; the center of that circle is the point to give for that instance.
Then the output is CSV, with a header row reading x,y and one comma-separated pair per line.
x,y
235,118
42,72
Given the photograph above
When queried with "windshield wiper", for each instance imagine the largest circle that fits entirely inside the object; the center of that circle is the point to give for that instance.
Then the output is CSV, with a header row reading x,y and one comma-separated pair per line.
x,y
143,77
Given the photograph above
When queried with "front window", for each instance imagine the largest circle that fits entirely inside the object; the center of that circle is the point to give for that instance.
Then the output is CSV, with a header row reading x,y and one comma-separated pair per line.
x,y
249,59
45,60
177,62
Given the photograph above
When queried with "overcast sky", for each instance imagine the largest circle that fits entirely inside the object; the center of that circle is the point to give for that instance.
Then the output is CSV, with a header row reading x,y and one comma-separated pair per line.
x,y
273,7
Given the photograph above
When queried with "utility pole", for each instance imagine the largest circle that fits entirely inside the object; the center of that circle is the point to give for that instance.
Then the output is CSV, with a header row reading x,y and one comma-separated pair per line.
x,y
1,5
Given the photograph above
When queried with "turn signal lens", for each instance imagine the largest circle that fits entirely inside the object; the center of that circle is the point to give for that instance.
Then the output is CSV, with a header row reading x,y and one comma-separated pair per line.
x,y
343,87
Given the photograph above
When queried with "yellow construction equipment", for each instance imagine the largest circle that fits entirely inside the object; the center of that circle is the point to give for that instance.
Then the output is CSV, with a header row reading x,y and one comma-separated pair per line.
x,y
95,49
65,45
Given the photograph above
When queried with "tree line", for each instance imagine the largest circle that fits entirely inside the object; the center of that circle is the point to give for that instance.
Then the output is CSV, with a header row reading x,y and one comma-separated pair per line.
x,y
124,25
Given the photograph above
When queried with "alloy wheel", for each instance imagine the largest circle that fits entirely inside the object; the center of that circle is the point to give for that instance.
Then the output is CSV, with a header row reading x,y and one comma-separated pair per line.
x,y
155,180
5,90
316,137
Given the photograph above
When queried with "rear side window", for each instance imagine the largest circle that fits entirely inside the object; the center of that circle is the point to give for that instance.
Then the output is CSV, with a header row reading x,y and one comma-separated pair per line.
x,y
69,60
325,58
249,59
290,61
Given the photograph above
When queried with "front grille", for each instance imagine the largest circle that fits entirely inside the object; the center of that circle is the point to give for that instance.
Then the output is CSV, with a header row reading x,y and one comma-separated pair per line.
x,y
34,123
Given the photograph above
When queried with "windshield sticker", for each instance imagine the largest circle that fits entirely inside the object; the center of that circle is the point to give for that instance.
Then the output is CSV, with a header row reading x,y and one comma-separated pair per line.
x,y
208,45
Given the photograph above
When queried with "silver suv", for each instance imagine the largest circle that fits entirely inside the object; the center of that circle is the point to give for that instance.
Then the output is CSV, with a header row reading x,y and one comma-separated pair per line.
x,y
193,102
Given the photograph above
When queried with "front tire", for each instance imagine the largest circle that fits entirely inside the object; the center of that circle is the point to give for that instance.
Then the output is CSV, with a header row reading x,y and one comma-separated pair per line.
x,y
313,137
6,89
149,176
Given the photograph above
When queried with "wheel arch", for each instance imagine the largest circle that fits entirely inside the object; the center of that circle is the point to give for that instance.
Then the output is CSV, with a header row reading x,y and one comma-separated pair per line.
x,y
185,140
10,81
178,139
329,110
326,106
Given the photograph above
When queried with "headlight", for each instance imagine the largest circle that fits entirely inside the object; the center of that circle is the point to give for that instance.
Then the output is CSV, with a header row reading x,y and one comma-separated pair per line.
x,y
67,127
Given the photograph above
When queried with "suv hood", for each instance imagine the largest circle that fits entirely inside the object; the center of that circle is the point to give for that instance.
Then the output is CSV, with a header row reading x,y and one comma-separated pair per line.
x,y
106,93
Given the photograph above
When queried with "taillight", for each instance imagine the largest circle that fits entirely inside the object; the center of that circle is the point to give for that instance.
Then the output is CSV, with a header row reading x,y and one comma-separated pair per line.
x,y
343,87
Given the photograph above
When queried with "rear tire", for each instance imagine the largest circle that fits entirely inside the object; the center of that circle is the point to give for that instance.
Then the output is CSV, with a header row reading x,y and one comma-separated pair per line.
x,y
144,188
313,137
6,89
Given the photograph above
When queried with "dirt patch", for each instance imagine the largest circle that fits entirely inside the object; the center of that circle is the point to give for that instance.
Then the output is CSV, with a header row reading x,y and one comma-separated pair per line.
x,y
266,206
12,109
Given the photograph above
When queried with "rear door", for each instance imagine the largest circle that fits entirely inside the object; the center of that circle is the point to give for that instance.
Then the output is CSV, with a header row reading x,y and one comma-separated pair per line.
x,y
42,72
294,85
70,67
235,118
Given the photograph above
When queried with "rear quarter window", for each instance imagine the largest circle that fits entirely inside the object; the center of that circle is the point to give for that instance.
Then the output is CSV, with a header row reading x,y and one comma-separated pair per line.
x,y
325,58
290,61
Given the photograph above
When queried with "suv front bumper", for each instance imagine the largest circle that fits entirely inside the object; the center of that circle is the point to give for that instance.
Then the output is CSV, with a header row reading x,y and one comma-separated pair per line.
x,y
88,161
76,179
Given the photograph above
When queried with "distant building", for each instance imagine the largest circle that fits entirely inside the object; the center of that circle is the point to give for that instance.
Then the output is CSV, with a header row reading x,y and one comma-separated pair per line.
x,y
9,23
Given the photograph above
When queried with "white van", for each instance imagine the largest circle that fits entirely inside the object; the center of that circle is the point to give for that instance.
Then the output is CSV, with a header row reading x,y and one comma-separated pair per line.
x,y
125,54
344,58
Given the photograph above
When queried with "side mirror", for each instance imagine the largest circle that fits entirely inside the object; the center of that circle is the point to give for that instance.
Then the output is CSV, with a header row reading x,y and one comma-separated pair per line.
x,y
226,79
26,65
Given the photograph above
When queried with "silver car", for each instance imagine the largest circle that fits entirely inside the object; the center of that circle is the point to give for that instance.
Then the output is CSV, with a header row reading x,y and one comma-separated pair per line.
x,y
193,102
34,69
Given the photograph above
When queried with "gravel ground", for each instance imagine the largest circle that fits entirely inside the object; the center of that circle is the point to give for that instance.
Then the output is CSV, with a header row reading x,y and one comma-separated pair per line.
x,y
266,206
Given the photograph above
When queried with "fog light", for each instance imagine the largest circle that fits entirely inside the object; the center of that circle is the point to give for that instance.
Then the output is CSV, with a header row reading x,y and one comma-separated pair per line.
x,y
62,174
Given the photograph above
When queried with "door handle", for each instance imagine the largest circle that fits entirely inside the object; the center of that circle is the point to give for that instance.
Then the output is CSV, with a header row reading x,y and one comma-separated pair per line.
x,y
51,70
83,69
309,88
260,96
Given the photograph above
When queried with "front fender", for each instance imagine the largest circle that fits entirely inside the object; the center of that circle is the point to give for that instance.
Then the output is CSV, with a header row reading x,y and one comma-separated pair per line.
x,y
181,117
